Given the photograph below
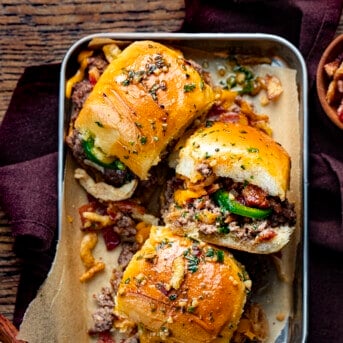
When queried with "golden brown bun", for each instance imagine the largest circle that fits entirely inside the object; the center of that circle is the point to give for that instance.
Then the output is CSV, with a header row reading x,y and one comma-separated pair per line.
x,y
238,151
134,112
160,290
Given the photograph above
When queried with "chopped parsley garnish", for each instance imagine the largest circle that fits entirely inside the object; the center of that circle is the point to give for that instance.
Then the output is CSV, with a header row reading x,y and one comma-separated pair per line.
x,y
137,76
253,150
184,214
213,253
126,82
165,242
244,276
120,165
210,252
247,73
172,297
153,90
191,309
189,87
242,80
202,85
231,81
223,229
220,256
209,123
192,261
143,140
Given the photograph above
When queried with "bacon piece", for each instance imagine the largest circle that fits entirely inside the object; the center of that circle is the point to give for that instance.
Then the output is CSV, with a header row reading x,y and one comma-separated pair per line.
x,y
254,196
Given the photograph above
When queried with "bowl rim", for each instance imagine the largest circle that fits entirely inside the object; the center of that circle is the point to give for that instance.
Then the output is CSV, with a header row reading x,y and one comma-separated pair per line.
x,y
321,82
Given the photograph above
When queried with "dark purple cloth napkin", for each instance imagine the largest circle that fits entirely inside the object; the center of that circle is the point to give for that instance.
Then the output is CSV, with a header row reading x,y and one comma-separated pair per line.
x,y
28,138
310,25
28,176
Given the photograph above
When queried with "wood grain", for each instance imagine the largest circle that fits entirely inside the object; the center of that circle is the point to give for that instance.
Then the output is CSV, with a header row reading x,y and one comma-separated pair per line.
x,y
9,269
39,31
36,32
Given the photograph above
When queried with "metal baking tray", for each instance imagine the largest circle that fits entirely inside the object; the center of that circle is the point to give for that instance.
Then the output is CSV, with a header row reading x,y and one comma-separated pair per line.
x,y
294,327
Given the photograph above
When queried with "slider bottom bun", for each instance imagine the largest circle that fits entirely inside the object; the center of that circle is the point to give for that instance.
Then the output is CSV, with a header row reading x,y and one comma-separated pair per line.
x,y
176,289
254,245
256,237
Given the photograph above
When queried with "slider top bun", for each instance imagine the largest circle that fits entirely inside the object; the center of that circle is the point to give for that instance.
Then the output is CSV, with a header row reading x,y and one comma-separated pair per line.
x,y
240,152
144,100
180,290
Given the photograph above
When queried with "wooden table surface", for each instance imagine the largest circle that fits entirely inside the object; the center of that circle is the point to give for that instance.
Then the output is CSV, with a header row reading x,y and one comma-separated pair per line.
x,y
40,31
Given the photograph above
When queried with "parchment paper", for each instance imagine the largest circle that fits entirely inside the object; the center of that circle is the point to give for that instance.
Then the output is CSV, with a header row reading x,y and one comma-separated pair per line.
x,y
61,310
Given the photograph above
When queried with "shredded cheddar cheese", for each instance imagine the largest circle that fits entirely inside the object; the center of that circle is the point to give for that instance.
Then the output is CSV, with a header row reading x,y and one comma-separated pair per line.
x,y
143,231
80,74
181,196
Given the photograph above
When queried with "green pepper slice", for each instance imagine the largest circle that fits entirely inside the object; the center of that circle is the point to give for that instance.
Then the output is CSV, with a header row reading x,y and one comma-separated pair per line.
x,y
223,199
88,147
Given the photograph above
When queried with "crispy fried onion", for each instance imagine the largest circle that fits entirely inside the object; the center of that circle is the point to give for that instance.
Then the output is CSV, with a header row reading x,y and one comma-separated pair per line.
x,y
96,221
103,191
92,266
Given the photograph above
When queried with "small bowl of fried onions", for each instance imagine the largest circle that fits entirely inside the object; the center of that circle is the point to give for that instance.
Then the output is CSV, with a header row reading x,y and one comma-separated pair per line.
x,y
330,81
